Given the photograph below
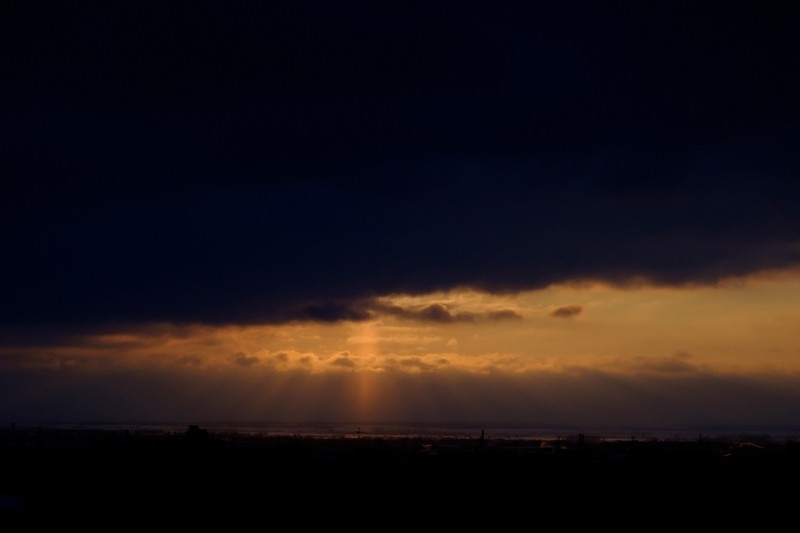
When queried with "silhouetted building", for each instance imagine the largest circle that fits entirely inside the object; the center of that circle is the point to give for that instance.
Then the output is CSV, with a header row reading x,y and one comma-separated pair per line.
x,y
196,435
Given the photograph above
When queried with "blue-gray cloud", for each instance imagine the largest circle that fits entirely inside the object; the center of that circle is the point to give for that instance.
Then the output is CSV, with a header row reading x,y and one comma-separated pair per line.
x,y
265,163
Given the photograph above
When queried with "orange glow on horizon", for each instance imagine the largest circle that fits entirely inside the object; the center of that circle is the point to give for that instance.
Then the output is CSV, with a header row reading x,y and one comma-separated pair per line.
x,y
743,325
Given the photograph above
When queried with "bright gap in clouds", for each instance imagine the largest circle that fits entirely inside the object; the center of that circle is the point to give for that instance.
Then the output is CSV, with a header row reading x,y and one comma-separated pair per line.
x,y
740,326
572,354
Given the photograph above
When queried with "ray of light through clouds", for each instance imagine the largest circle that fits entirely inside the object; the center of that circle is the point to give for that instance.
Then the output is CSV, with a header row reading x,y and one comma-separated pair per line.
x,y
566,213
618,354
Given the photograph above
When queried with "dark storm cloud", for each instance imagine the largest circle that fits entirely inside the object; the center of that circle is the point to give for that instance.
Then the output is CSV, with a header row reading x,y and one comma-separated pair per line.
x,y
566,311
329,312
237,161
439,313
435,312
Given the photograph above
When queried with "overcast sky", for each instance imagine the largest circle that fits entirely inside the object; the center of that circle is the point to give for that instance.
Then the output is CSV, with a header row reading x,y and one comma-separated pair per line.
x,y
485,170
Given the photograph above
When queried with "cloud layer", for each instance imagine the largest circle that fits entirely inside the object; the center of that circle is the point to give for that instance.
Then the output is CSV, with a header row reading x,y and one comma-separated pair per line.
x,y
235,162
567,311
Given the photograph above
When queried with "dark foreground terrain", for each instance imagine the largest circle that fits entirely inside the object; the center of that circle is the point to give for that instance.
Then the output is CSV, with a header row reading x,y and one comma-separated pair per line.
x,y
345,481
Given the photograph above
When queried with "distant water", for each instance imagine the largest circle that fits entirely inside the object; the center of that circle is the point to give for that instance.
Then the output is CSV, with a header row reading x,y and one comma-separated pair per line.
x,y
429,430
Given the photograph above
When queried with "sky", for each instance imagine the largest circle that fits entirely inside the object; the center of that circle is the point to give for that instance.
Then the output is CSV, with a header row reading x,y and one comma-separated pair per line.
x,y
558,213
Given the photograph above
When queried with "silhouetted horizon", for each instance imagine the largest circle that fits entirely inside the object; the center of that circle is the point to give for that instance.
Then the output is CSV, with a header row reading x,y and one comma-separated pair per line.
x,y
421,429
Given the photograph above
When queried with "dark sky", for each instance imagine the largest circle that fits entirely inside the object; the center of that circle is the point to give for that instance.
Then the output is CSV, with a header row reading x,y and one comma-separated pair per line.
x,y
238,161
